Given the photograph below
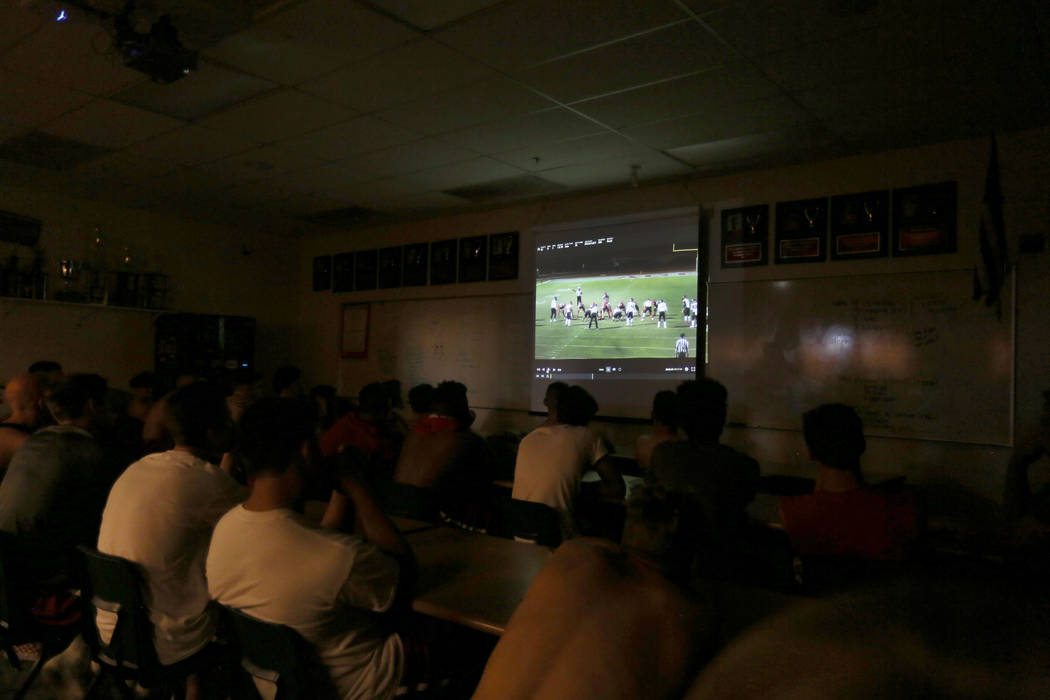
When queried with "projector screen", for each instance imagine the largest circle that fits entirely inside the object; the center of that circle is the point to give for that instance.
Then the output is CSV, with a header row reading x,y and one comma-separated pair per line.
x,y
614,308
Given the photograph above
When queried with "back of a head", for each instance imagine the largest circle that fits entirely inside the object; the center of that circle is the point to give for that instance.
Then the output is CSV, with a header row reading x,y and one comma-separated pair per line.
x,y
285,377
68,400
665,409
194,411
576,406
554,390
148,380
45,367
421,398
393,391
271,434
374,400
450,399
834,434
702,408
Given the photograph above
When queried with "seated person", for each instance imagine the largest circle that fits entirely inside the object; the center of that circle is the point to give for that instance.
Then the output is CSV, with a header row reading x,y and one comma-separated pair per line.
x,y
1030,512
146,389
717,480
56,485
24,396
243,391
267,561
324,400
552,459
550,400
365,429
843,516
444,454
665,427
599,622
160,515
155,436
421,401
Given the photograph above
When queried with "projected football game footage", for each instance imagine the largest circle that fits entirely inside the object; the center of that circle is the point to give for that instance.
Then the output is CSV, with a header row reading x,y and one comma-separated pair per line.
x,y
617,302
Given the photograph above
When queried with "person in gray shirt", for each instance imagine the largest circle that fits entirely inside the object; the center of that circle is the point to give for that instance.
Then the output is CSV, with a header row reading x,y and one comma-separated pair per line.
x,y
56,485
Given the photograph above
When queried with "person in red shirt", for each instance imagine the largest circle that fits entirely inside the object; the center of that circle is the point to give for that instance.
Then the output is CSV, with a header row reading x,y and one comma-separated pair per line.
x,y
843,516
365,429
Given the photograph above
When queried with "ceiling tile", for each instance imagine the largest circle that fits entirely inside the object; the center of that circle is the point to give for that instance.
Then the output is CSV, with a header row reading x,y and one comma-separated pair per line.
x,y
258,164
413,70
123,167
110,124
380,188
274,57
485,101
745,118
712,89
14,174
348,28
359,135
425,201
528,130
756,28
482,169
741,149
676,50
278,115
571,152
18,21
616,171
78,56
325,177
44,150
427,14
30,101
522,32
407,157
202,92
192,144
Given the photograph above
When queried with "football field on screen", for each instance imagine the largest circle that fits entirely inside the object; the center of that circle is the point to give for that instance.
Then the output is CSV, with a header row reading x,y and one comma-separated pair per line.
x,y
613,339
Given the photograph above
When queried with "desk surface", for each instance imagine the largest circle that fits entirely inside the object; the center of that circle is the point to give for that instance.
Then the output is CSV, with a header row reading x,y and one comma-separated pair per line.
x,y
470,579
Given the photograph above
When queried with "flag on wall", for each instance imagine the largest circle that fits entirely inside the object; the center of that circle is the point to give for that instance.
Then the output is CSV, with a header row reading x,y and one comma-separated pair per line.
x,y
990,273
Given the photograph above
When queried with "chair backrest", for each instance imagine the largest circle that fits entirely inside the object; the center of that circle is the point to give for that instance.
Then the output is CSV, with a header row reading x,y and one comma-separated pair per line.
x,y
408,501
116,602
11,611
278,655
534,522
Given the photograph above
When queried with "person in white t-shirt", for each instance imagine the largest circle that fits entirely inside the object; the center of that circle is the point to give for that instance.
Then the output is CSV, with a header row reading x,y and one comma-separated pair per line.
x,y
552,459
661,310
160,514
267,561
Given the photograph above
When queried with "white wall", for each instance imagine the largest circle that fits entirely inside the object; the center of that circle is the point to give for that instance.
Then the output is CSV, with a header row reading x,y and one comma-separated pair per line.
x,y
974,473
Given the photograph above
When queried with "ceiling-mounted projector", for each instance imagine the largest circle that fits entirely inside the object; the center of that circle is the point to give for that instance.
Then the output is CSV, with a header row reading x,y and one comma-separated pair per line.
x,y
159,54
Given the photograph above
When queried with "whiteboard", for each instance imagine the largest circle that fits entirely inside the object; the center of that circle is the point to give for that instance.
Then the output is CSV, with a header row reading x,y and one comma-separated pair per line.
x,y
484,342
911,352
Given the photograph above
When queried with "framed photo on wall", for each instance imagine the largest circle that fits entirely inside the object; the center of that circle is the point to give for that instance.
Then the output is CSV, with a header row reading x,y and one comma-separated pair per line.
x,y
860,225
802,231
473,258
745,236
924,219
322,273
443,262
416,261
366,268
353,330
390,267
503,256
343,272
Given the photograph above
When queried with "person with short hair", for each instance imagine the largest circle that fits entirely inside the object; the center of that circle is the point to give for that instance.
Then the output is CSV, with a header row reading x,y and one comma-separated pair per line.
x,y
716,481
421,401
146,389
843,516
550,400
664,417
269,562
552,459
160,515
365,429
26,399
56,484
242,391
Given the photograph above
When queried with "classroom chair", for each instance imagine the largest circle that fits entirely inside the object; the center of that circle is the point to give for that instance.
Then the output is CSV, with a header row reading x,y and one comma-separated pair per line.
x,y
127,653
533,522
276,662
17,625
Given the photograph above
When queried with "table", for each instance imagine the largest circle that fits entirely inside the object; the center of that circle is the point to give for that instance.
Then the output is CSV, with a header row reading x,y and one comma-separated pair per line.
x,y
470,579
